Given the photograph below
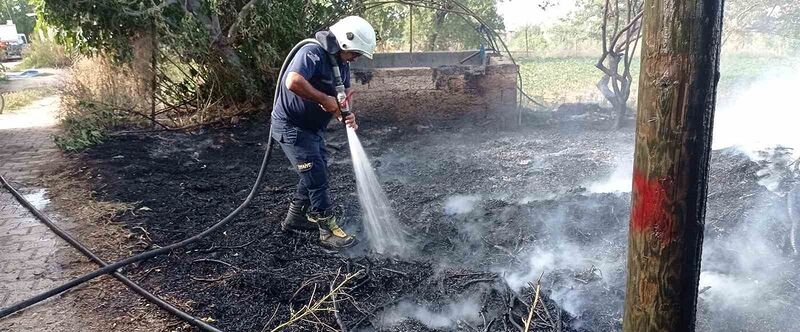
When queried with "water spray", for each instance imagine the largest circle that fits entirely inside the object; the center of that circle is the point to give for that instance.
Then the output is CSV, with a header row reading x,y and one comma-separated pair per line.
x,y
380,222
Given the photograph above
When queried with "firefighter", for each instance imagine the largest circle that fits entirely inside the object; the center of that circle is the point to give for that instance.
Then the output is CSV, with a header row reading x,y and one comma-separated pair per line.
x,y
306,103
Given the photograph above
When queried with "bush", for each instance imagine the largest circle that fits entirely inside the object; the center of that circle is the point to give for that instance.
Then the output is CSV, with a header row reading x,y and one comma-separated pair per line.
x,y
98,94
84,129
45,54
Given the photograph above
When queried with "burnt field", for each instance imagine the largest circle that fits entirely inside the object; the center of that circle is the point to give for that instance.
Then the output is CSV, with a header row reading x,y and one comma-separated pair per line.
x,y
488,212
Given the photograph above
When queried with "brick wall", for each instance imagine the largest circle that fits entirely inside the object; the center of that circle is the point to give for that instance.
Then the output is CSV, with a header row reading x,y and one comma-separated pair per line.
x,y
419,95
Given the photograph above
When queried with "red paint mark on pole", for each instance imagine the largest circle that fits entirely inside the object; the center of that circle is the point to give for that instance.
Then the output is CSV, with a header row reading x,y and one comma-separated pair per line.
x,y
650,207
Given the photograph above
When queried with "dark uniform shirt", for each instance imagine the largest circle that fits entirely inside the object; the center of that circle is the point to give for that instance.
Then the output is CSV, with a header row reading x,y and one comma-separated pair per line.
x,y
314,64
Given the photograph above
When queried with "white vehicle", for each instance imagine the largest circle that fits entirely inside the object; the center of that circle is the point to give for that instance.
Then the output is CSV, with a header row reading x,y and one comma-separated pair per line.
x,y
13,40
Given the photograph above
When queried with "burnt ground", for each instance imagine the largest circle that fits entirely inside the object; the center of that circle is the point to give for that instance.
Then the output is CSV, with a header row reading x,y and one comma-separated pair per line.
x,y
489,212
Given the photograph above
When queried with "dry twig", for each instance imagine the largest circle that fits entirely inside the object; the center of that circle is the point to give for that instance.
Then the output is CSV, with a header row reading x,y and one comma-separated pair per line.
x,y
326,303
533,307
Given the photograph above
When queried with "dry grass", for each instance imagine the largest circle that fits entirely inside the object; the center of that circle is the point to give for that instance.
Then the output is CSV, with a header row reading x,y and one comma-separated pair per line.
x,y
97,82
45,54
19,99
96,227
327,303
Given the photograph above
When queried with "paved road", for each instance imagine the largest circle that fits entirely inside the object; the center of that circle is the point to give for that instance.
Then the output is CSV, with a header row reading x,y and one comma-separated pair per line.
x,y
31,256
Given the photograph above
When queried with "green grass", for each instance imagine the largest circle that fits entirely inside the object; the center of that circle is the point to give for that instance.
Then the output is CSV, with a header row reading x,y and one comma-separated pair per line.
x,y
573,79
19,99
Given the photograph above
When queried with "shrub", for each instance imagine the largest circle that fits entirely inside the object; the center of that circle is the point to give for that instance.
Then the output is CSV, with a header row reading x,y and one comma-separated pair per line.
x,y
84,129
98,94
43,53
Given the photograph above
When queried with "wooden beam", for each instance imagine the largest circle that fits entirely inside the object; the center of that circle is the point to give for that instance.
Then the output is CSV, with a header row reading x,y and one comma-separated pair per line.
x,y
677,92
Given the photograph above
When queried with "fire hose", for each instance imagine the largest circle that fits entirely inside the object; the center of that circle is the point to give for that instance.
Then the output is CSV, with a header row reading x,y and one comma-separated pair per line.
x,y
114,267
88,253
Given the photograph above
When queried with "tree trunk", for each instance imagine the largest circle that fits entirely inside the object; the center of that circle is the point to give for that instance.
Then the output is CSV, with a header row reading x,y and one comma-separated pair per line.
x,y
620,110
677,92
221,43
438,20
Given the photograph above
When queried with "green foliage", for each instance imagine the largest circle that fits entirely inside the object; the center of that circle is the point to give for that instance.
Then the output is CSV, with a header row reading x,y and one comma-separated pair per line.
x,y
85,129
528,38
18,10
92,27
454,32
230,46
45,54
581,25
566,79
773,17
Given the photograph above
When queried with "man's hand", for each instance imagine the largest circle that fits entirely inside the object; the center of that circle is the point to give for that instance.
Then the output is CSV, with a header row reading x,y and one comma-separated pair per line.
x,y
350,121
330,105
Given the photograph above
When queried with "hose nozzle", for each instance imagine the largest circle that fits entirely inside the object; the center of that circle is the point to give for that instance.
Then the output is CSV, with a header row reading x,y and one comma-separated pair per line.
x,y
344,101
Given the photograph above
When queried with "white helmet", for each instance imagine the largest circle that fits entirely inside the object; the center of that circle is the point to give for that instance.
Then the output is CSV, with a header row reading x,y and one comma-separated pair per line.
x,y
354,33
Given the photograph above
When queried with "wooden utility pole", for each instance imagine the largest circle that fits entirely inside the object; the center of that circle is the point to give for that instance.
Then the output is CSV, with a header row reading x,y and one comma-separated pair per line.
x,y
677,92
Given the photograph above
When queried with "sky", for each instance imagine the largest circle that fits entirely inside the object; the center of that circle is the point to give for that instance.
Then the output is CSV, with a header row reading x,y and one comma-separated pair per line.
x,y
518,13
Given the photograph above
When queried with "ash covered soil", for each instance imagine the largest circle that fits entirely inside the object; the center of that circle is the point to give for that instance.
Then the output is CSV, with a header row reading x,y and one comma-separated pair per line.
x,y
488,212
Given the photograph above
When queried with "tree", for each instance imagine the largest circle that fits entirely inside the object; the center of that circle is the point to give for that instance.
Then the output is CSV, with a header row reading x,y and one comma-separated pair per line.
x,y
437,24
620,33
581,25
773,17
229,43
17,11
528,38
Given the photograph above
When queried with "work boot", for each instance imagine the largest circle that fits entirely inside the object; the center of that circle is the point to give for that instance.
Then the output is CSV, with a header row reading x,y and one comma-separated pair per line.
x,y
296,219
330,234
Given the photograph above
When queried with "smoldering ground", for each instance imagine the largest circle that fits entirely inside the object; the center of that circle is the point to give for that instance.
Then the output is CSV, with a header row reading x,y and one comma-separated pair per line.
x,y
486,211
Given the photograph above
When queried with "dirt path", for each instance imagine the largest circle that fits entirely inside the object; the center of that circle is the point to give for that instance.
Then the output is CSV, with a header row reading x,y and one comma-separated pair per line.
x,y
33,259
47,77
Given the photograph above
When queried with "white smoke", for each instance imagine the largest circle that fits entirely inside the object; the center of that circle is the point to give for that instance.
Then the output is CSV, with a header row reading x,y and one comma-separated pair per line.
x,y
460,204
575,274
448,316
619,181
748,277
38,198
766,114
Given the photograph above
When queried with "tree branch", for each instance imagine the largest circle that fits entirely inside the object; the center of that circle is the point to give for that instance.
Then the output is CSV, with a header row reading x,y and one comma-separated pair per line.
x,y
233,31
628,26
150,11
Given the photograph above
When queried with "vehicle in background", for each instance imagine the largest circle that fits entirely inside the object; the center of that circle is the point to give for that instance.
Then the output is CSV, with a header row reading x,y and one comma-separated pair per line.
x,y
11,41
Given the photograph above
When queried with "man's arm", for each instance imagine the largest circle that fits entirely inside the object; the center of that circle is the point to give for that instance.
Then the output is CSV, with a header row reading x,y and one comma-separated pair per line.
x,y
301,87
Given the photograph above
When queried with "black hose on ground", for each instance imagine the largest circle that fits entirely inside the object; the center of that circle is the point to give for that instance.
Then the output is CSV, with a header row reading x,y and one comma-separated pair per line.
x,y
111,268
88,253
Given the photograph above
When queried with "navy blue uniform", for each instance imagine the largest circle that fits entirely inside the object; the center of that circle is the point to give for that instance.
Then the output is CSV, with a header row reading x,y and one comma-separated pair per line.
x,y
297,123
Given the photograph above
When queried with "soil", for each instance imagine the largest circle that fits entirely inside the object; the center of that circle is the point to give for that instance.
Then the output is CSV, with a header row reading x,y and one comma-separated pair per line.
x,y
489,210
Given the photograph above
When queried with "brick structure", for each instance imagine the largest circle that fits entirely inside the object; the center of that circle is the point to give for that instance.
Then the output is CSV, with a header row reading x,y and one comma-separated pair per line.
x,y
418,93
